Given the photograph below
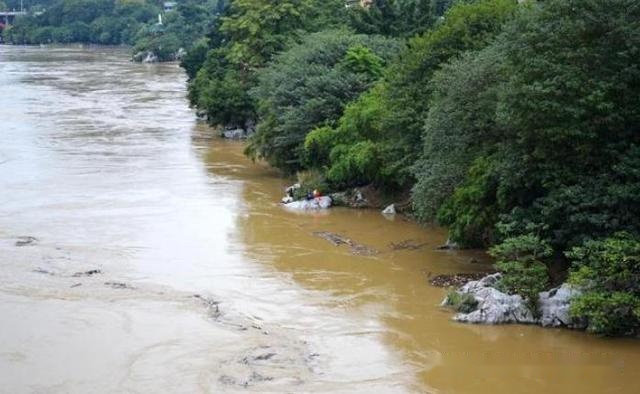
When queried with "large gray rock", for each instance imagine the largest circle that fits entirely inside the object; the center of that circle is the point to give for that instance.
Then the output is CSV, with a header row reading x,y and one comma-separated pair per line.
x,y
322,202
234,134
449,245
554,307
352,198
180,54
145,57
390,210
494,306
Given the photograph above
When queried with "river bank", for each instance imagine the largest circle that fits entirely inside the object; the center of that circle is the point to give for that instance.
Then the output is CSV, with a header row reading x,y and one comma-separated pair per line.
x,y
206,284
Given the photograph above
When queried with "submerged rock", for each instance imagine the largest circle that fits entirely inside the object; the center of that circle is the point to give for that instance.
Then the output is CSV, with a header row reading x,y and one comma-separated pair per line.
x,y
337,240
234,134
449,245
322,202
408,244
26,240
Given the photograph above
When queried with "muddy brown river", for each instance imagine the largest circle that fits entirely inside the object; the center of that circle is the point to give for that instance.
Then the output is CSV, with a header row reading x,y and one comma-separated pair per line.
x,y
140,254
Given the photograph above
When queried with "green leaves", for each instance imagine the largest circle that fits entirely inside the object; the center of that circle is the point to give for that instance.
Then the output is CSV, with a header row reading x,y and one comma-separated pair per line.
x,y
360,59
608,271
308,87
521,261
612,263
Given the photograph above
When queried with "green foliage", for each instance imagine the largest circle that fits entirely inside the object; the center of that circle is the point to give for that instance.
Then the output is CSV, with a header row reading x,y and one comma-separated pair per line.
x,y
257,29
408,93
460,127
164,46
354,163
461,302
557,123
403,18
92,21
521,262
308,86
248,36
221,92
182,28
471,213
608,272
193,61
362,60
317,146
572,105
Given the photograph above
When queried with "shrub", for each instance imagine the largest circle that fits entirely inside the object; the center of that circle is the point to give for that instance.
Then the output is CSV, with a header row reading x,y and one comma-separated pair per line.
x,y
608,271
521,262
309,181
308,86
461,302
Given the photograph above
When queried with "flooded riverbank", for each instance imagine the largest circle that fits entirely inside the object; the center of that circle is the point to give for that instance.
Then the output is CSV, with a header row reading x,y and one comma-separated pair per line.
x,y
205,283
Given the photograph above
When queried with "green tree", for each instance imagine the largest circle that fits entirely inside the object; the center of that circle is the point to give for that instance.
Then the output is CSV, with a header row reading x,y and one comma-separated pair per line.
x,y
392,114
401,18
554,126
250,34
521,261
308,86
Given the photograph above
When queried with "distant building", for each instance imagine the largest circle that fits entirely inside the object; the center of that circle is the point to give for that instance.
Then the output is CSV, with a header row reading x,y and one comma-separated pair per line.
x,y
169,6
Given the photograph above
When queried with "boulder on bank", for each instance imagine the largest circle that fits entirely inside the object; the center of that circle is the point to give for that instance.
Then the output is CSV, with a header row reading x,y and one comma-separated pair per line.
x,y
554,307
322,202
449,245
146,57
495,307
354,198
234,134
389,210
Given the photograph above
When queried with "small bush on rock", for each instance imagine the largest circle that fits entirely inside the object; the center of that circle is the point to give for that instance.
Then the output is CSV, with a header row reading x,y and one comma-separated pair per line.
x,y
521,261
461,302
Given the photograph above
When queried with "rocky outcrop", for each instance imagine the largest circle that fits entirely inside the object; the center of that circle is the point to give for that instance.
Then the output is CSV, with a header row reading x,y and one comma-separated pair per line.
x,y
389,210
449,245
180,54
234,134
496,307
151,57
353,198
554,308
322,202
146,57
239,131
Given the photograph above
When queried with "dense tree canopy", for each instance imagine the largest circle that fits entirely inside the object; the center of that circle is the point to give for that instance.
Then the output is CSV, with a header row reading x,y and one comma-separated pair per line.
x,y
94,21
308,86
